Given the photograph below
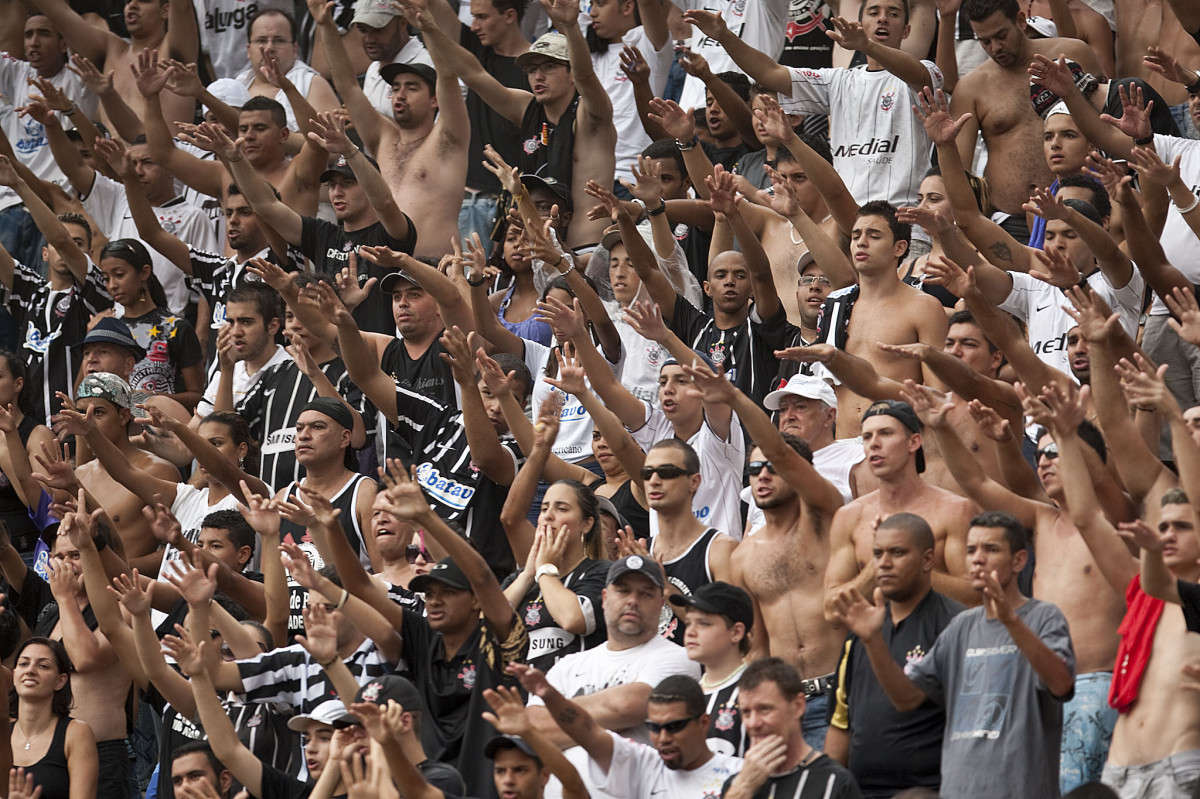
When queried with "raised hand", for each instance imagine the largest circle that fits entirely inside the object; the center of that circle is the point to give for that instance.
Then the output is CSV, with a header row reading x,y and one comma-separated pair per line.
x,y
533,681
509,176
1055,76
608,200
711,25
1057,271
1150,166
564,13
212,138
270,273
1185,314
331,305
320,508
1046,204
995,599
260,512
1068,404
128,590
1145,387
646,319
351,291
848,33
406,500
459,355
321,11
508,714
1093,325
941,271
775,123
990,423
298,565
932,407
860,616
709,386
320,633
722,191
1134,121
571,376
57,472
567,320
933,220
493,376
812,353
96,82
912,352
20,785
149,76
8,175
647,185
1160,61
37,110
185,650
51,94
329,133
673,119
693,63
933,110
549,418
184,79
195,583
1142,535
634,65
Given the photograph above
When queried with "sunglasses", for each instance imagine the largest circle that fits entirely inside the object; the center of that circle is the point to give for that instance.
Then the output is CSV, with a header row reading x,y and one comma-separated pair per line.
x,y
673,727
756,467
413,551
667,472
1050,453
808,280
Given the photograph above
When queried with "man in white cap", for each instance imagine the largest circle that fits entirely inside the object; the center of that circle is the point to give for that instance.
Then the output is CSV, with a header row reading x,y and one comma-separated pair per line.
x,y
384,33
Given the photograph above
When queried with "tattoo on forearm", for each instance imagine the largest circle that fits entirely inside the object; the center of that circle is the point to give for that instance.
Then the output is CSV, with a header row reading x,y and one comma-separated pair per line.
x,y
567,716
1001,251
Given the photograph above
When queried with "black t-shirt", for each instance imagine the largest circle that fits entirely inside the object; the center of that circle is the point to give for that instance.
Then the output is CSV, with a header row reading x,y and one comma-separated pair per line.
x,y
278,784
428,374
805,43
725,731
171,346
452,729
548,642
1189,596
487,125
329,248
747,352
823,778
548,148
725,156
891,750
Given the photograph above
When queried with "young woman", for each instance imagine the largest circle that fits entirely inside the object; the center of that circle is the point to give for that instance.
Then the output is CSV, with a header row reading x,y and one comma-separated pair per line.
x,y
14,497
516,308
174,364
60,752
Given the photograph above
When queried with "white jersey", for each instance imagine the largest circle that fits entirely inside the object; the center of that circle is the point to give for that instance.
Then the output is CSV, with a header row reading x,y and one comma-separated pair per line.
x,y
1178,240
721,466
1039,306
637,772
225,27
106,204
377,89
879,145
759,23
833,462
242,381
301,75
631,136
574,441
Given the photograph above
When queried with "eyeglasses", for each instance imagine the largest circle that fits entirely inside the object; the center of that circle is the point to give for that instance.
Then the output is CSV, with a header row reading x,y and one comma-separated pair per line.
x,y
1050,453
756,467
673,727
543,67
413,551
262,42
808,280
667,472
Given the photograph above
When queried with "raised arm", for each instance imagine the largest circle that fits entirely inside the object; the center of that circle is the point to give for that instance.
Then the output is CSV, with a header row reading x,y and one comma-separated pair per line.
x,y
492,458
572,718
261,195
1056,77
362,365
509,103
1111,259
736,109
761,67
593,98
866,621
454,309
722,198
148,227
908,68
367,121
79,34
47,222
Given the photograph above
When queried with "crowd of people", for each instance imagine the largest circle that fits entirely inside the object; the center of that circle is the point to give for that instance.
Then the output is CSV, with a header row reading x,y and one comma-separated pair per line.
x,y
525,399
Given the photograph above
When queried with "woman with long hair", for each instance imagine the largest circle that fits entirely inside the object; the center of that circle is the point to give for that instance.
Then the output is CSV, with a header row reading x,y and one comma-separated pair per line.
x,y
58,751
516,307
19,429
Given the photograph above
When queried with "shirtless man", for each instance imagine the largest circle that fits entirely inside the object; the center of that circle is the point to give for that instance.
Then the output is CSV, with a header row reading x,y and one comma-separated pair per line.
x,y
1143,24
997,94
892,438
168,28
1085,24
422,147
879,309
781,565
1071,573
110,400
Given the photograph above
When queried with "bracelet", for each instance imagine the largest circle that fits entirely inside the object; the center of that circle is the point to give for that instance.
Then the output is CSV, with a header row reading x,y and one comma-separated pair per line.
x,y
570,269
660,210
685,146
70,112
1144,409
342,602
1142,142
478,282
1191,207
326,666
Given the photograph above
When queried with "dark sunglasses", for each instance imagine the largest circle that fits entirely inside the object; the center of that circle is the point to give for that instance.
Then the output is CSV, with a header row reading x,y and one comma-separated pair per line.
x,y
412,551
667,472
756,467
1050,452
673,727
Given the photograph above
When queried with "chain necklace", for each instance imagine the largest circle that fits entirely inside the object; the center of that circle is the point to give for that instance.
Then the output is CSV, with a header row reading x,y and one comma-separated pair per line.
x,y
29,741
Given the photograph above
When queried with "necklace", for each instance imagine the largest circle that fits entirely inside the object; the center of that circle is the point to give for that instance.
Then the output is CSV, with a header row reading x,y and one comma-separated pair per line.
x,y
29,741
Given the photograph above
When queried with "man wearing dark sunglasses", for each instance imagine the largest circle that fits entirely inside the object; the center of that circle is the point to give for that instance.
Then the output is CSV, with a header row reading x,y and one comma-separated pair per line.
x,y
678,761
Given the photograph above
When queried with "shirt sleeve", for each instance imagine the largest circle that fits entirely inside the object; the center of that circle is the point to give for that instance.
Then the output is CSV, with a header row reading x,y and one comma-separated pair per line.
x,y
928,673
1049,623
104,202
629,771
1189,595
273,677
1020,299
810,90
185,347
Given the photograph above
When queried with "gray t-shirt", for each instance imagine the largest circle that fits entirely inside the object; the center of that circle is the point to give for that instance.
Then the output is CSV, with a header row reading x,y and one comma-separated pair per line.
x,y
1003,727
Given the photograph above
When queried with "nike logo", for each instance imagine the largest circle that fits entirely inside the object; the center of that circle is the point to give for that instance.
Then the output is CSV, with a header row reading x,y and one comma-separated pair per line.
x,y
1044,307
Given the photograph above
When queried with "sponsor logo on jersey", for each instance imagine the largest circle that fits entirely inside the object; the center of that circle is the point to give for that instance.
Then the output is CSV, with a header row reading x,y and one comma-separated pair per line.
x,y
445,490
37,341
872,146
219,21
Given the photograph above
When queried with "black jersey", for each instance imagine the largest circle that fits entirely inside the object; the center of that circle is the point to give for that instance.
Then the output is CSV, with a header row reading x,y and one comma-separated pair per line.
x,y
823,778
725,732
687,572
549,642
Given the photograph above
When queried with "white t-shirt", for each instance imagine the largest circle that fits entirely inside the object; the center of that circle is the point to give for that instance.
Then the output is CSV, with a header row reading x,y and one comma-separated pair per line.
x,y
377,89
224,26
631,136
721,466
759,23
107,205
28,136
641,361
879,145
637,772
1039,306
574,442
242,381
301,75
1178,240
832,462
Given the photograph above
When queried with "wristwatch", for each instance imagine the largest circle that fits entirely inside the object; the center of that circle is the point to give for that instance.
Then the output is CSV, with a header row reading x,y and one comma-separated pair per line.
x,y
543,570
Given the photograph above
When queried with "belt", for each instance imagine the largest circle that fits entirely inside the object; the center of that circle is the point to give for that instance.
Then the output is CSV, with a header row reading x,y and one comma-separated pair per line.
x,y
818,686
471,194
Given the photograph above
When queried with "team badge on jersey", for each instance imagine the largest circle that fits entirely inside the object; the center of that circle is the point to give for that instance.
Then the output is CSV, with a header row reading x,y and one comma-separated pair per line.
x,y
533,614
725,719
888,100
467,675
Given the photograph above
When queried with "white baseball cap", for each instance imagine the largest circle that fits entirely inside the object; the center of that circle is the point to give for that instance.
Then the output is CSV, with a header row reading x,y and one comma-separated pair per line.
x,y
802,385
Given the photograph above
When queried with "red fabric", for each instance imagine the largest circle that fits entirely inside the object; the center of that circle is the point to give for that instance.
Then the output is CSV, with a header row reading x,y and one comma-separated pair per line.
x,y
1137,641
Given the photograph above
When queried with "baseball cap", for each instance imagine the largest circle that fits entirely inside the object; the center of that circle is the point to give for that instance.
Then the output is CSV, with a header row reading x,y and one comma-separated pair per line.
x,y
509,742
332,408
1043,26
605,505
374,13
635,563
328,713
422,71
110,330
904,413
228,91
720,598
341,167
801,385
610,240
560,189
548,45
105,386
388,284
445,572
379,691
703,356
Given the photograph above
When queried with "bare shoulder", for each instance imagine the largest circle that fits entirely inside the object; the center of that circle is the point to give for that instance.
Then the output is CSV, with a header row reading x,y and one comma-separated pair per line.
x,y
78,731
159,467
1074,49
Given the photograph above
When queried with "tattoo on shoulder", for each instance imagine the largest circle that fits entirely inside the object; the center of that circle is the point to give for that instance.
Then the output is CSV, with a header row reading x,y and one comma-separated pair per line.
x,y
1001,251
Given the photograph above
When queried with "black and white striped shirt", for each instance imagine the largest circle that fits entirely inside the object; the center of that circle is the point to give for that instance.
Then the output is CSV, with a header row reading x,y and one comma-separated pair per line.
x,y
823,778
291,677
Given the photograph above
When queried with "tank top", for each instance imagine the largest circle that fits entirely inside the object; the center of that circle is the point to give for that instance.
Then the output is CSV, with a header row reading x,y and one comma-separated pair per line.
x,y
530,329
687,572
13,512
51,772
548,148
627,505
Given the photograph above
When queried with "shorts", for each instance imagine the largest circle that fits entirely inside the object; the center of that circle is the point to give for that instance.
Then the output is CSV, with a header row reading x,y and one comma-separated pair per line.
x,y
1173,777
116,770
1088,723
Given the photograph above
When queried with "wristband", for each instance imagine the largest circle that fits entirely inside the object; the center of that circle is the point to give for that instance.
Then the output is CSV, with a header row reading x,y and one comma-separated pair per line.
x,y
478,282
325,666
1195,87
685,146
342,602
70,112
660,210
1191,207
1145,140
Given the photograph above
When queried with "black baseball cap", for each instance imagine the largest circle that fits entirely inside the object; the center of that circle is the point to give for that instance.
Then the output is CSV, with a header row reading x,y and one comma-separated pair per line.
x,y
445,572
636,563
509,742
904,413
379,691
560,189
422,71
388,284
720,598
342,168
